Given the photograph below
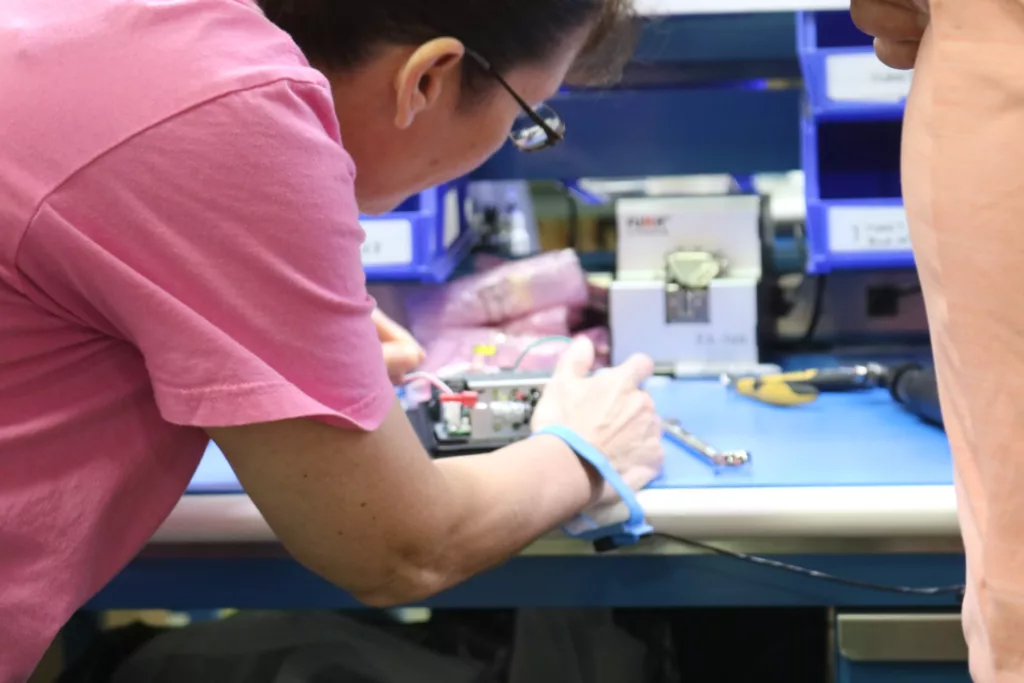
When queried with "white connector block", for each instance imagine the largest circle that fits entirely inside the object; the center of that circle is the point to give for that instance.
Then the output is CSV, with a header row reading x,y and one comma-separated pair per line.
x,y
651,228
638,324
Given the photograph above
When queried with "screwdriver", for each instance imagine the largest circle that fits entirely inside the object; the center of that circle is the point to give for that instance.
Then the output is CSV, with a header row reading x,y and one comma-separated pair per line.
x,y
802,387
712,370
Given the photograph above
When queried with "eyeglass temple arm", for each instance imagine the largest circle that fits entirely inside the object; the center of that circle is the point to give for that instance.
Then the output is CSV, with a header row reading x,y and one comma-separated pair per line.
x,y
523,104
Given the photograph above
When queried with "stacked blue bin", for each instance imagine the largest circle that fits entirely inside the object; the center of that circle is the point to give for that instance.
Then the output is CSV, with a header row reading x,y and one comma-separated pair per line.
x,y
850,132
423,240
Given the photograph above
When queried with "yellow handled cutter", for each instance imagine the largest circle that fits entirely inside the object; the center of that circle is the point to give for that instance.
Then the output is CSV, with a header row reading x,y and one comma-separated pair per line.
x,y
799,388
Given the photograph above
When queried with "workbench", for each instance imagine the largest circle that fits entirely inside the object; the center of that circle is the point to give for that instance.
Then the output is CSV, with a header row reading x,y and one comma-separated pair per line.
x,y
850,485
849,465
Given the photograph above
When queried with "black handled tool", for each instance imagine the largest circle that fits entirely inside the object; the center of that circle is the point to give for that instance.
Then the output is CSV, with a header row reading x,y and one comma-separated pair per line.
x,y
917,390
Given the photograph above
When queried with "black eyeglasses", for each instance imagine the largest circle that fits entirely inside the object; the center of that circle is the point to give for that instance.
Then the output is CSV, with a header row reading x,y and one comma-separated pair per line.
x,y
536,128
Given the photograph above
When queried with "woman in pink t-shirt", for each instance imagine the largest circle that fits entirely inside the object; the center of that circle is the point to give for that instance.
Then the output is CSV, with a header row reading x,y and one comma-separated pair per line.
x,y
963,173
180,189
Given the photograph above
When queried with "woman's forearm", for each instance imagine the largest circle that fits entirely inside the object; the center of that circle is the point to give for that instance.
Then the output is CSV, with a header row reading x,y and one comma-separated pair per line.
x,y
495,505
514,495
372,513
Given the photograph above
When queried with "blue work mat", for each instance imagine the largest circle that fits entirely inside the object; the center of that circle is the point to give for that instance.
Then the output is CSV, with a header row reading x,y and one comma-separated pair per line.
x,y
842,439
855,439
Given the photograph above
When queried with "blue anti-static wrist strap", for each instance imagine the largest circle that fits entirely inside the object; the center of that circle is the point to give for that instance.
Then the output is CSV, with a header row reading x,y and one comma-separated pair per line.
x,y
621,533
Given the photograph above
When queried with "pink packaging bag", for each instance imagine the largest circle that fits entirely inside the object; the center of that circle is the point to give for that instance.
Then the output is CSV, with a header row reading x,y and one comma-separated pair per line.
x,y
559,320
480,350
502,293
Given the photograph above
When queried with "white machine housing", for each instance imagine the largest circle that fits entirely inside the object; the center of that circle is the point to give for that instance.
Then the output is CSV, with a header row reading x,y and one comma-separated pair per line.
x,y
651,228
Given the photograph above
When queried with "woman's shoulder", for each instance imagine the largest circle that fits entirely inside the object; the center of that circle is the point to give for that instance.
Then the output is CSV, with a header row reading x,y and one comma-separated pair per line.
x,y
123,65
86,77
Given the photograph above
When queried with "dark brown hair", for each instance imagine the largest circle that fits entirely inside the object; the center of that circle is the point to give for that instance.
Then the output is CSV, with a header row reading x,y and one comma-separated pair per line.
x,y
508,33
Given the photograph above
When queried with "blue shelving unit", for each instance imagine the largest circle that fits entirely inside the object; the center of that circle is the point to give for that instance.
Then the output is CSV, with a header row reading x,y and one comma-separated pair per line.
x,y
842,76
423,240
850,148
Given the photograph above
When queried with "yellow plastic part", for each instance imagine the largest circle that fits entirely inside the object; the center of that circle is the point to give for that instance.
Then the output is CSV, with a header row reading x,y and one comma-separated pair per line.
x,y
786,394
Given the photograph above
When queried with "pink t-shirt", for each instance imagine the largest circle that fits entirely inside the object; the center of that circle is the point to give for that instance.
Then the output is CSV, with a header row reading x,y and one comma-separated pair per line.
x,y
179,248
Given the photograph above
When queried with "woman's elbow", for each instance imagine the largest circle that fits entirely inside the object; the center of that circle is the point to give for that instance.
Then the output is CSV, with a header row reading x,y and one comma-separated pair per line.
x,y
389,576
402,583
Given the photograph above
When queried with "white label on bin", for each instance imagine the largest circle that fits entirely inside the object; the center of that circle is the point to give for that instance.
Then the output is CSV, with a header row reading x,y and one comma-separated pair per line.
x,y
388,242
452,216
867,228
861,77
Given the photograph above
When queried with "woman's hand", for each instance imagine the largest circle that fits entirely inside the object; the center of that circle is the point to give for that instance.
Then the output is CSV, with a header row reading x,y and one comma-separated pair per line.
x,y
609,409
402,353
896,25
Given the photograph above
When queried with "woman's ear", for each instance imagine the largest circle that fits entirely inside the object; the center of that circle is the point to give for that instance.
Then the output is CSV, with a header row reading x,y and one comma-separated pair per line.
x,y
424,75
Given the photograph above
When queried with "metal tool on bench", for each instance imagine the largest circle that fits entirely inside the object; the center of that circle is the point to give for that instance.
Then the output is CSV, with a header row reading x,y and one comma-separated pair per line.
x,y
697,370
790,389
709,454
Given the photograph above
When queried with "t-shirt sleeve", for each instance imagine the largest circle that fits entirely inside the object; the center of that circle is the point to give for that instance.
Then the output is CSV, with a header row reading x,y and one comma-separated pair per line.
x,y
224,244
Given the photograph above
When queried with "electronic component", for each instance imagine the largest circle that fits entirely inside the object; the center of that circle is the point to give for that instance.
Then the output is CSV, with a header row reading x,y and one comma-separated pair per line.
x,y
454,411
483,412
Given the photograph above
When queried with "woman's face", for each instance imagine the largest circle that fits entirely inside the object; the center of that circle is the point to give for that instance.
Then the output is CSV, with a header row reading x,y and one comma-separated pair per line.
x,y
405,121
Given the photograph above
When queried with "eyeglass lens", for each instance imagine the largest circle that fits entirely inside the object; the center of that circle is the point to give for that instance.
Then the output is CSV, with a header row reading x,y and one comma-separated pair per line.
x,y
527,134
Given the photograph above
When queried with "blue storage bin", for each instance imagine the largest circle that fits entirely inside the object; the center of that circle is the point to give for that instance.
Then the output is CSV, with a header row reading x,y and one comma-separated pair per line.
x,y
842,76
855,217
423,240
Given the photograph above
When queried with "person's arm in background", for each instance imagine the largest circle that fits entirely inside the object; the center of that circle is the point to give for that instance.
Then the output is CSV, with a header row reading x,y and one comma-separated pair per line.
x,y
896,25
372,513
402,353
233,266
